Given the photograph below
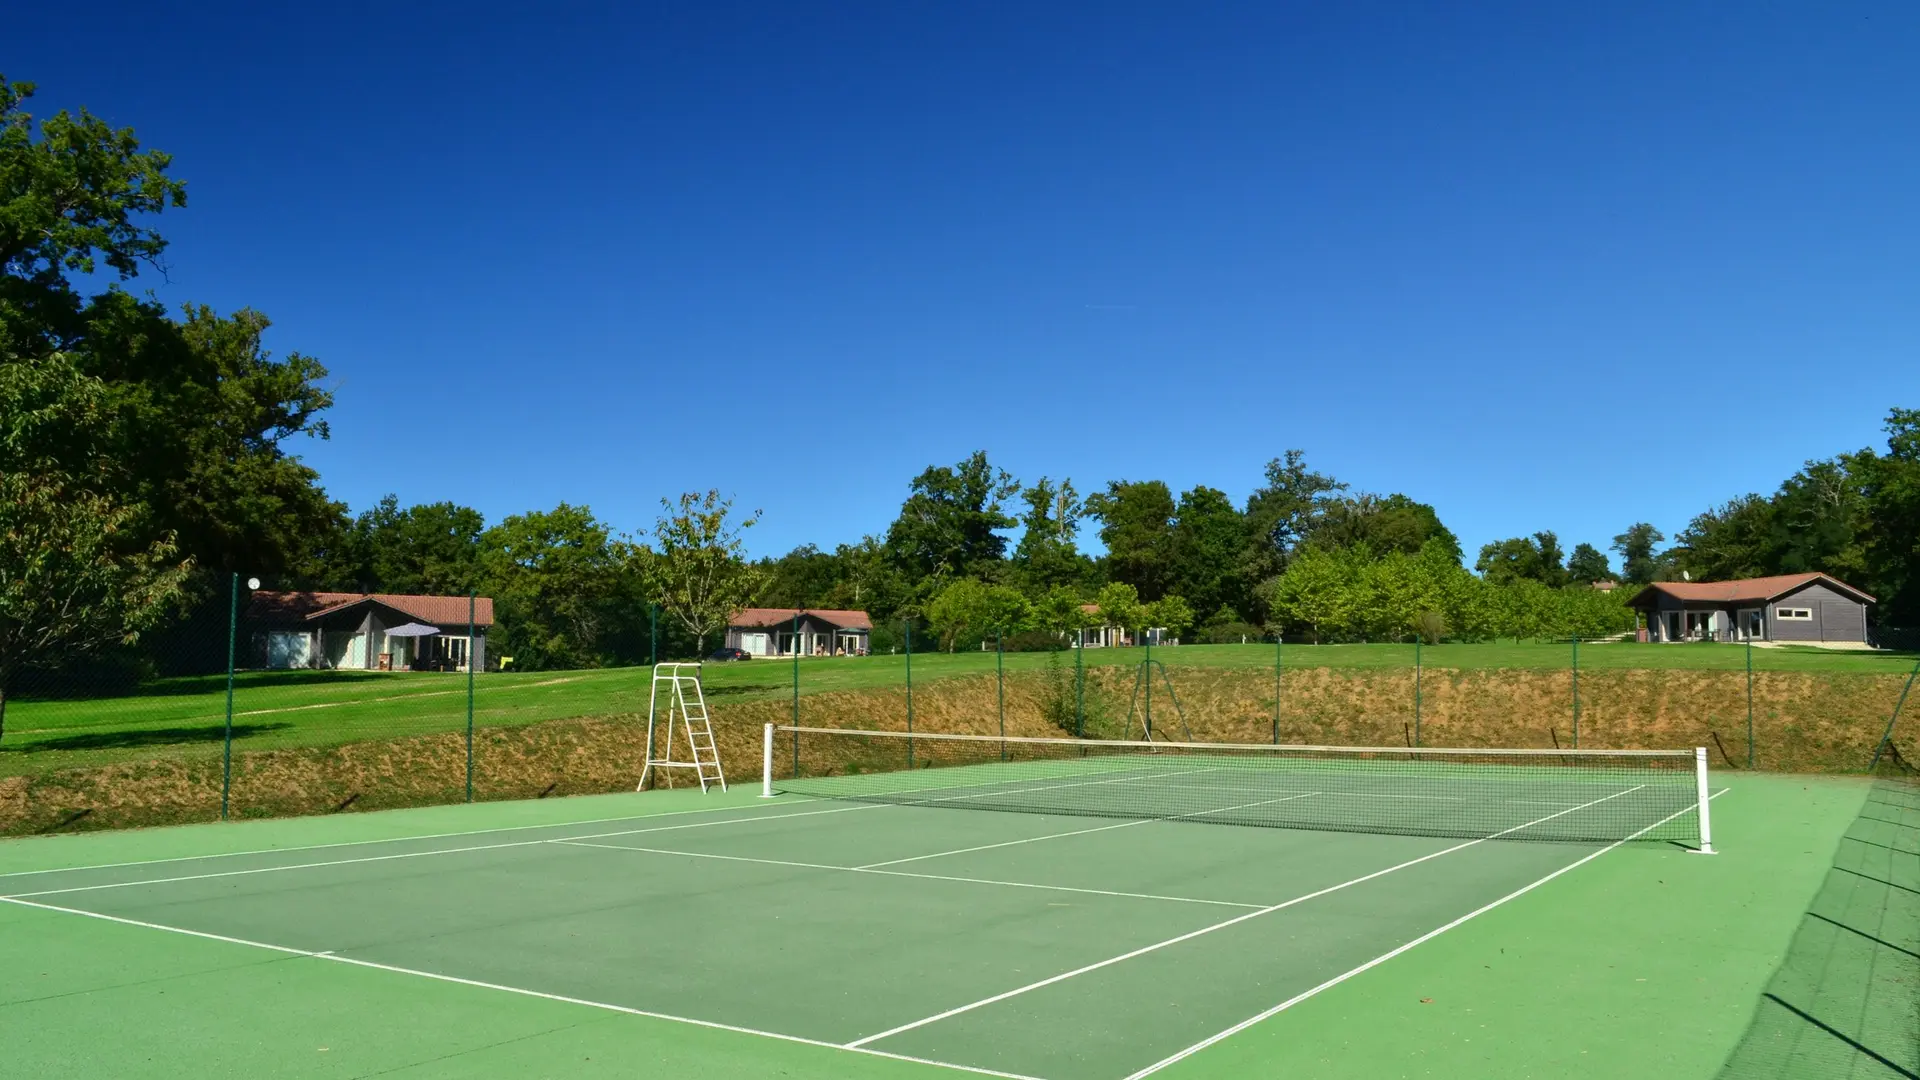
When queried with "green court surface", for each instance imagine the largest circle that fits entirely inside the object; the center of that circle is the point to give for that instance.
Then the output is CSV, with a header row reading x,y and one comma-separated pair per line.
x,y
675,934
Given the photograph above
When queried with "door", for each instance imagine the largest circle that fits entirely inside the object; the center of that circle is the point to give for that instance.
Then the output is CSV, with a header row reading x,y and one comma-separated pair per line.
x,y
1841,620
754,643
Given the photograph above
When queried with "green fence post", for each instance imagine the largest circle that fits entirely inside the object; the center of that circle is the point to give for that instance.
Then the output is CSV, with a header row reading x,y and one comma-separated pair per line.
x,y
1416,690
471,600
1146,673
1887,735
1080,684
1276,689
226,751
1749,703
1000,688
907,635
1576,691
796,693
653,635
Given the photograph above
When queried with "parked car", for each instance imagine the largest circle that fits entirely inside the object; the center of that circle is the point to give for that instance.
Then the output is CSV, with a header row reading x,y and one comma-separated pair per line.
x,y
725,656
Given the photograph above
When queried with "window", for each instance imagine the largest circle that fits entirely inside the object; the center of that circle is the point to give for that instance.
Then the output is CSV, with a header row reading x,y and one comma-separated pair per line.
x,y
1793,613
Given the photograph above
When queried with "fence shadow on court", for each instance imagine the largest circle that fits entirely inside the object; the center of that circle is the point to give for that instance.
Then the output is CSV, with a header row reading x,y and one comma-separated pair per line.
x,y
1845,1003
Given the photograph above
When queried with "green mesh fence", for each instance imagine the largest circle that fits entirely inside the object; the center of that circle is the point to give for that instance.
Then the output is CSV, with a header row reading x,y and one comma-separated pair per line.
x,y
1845,1002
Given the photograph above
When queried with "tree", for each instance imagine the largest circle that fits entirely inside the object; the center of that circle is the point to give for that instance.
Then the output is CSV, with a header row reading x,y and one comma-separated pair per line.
x,y
200,411
1119,605
701,570
72,198
1136,525
75,577
1392,523
973,610
1890,483
1733,540
1169,613
949,525
1637,561
1283,511
1209,533
1588,565
1047,556
1523,558
561,582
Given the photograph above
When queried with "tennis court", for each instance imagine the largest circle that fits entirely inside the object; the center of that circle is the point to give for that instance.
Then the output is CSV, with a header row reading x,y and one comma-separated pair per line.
x,y
1089,936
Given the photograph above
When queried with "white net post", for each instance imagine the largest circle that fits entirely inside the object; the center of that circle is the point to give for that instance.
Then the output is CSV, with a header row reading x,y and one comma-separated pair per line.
x,y
766,764
1706,797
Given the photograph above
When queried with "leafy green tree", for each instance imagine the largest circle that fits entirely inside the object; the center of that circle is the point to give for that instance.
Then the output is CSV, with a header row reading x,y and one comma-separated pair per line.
x,y
950,524
1389,524
1638,563
433,548
1890,483
1282,512
969,611
1169,613
1047,556
1523,558
75,577
1136,525
701,570
1820,518
1588,565
1118,605
1208,536
201,412
560,583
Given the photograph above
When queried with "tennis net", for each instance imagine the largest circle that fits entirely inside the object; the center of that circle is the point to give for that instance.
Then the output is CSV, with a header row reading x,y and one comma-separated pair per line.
x,y
1555,795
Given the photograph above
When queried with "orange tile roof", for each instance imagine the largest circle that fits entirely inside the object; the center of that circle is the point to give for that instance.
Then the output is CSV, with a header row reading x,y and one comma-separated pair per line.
x,y
1746,589
767,616
438,610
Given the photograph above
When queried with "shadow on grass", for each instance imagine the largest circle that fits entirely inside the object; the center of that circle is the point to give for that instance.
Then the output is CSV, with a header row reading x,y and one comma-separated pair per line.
x,y
744,688
124,740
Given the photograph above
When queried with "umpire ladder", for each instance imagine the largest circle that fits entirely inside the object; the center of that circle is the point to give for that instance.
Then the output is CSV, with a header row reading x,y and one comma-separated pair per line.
x,y
689,712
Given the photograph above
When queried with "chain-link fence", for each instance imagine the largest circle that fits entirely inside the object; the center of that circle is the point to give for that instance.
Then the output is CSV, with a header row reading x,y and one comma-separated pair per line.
x,y
344,702
1845,1001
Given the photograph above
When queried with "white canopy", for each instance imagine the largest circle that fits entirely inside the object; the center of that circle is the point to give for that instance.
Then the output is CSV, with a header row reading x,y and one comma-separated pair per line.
x,y
412,629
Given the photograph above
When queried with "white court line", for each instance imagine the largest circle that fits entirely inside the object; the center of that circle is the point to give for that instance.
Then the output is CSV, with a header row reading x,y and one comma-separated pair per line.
x,y
494,847
907,874
1386,956
1190,935
333,957
422,854
1083,832
391,840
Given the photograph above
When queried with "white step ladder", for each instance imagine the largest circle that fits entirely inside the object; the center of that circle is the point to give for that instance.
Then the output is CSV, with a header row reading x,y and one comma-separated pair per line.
x,y
690,713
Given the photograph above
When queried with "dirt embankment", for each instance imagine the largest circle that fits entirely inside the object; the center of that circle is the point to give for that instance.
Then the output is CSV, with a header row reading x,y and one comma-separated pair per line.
x,y
1802,722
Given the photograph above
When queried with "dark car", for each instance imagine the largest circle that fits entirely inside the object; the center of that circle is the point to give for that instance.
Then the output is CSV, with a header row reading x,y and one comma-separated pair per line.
x,y
723,656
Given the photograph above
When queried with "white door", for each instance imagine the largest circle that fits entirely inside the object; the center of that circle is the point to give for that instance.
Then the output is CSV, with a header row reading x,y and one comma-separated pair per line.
x,y
754,643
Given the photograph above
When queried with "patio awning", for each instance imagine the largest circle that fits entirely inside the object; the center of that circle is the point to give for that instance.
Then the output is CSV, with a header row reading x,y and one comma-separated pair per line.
x,y
412,629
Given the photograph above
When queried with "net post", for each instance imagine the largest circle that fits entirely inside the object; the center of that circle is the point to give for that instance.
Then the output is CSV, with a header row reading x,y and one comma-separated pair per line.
x,y
1749,703
1706,798
766,763
1576,690
1080,684
907,635
1276,688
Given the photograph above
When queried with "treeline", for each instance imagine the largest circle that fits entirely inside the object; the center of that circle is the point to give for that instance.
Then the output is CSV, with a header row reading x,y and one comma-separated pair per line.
x,y
1303,556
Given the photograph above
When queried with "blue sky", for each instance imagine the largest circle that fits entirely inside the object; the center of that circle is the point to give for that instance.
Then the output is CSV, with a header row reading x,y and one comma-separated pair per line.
x,y
1545,266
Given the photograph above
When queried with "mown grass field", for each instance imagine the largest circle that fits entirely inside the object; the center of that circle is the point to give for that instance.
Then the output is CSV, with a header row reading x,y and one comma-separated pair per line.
x,y
288,709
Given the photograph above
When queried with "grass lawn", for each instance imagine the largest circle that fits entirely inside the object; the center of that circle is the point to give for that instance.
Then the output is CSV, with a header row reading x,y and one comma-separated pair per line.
x,y
277,709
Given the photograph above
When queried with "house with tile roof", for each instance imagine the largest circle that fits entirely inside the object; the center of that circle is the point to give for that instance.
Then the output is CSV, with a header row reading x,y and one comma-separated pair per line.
x,y
369,631
1801,609
807,631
